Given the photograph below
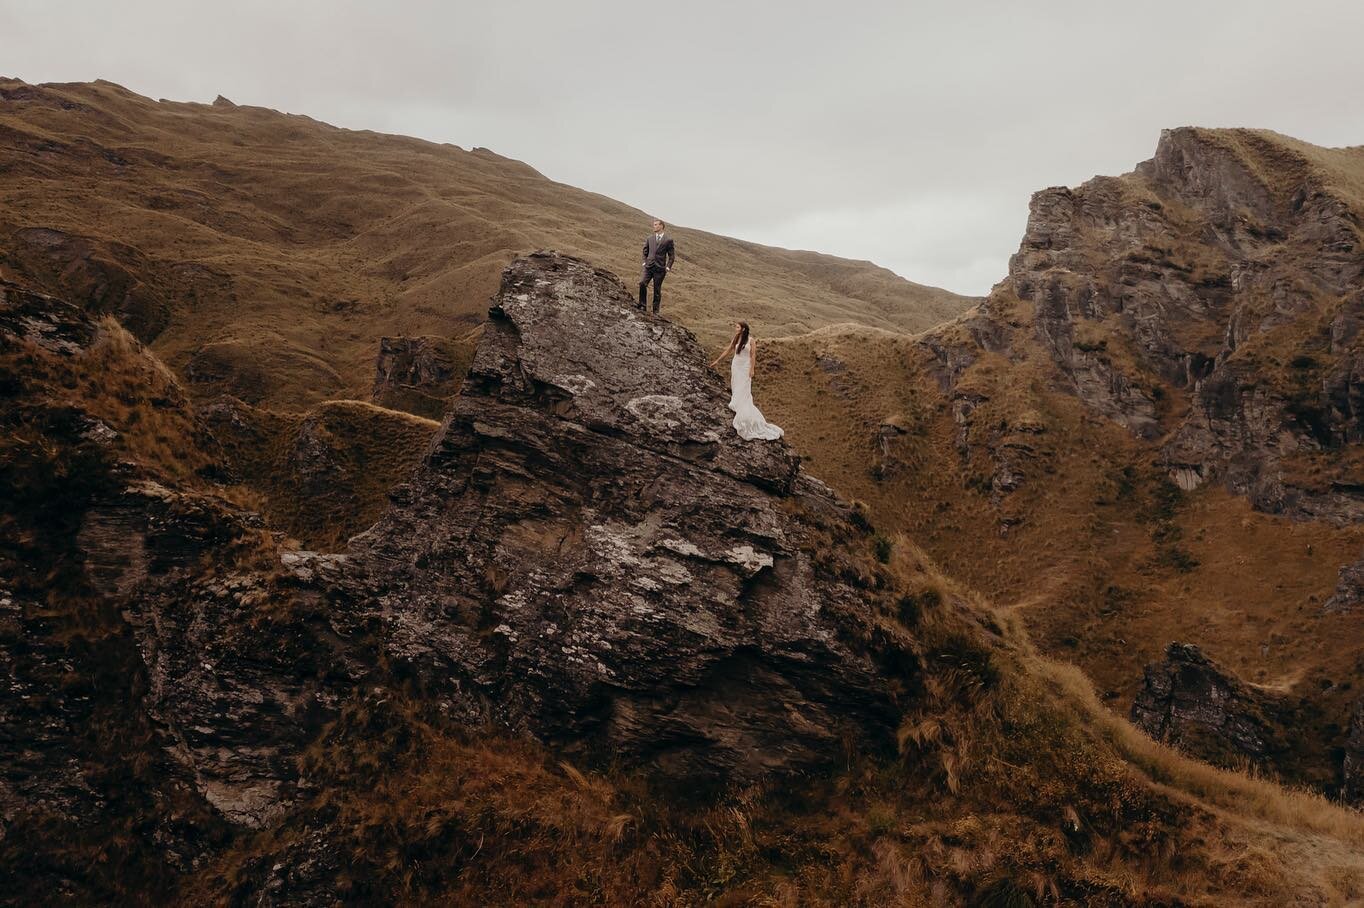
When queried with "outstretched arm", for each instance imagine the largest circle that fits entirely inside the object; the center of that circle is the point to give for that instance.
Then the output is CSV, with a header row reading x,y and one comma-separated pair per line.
x,y
752,356
672,255
722,355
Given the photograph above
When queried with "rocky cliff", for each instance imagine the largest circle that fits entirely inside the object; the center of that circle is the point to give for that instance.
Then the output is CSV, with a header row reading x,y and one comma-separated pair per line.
x,y
1228,269
591,553
417,374
588,554
1206,306
1207,302
596,650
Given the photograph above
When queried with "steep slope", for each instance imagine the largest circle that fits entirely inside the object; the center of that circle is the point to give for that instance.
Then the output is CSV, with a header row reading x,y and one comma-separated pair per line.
x,y
322,475
264,254
586,550
589,598
1147,433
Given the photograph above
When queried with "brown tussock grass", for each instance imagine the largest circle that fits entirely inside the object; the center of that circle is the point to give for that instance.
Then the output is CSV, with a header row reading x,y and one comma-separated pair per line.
x,y
283,248
1105,560
322,475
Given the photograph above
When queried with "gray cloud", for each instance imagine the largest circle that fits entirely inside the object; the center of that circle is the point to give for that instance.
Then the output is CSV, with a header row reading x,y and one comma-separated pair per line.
x,y
907,133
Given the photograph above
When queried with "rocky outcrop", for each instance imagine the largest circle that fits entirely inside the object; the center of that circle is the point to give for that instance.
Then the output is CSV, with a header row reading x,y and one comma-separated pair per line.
x,y
1225,272
1352,764
1191,702
416,374
1349,591
591,554
588,554
1171,281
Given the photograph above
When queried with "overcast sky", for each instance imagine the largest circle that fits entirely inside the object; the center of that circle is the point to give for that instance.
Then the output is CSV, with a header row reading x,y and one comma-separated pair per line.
x,y
908,133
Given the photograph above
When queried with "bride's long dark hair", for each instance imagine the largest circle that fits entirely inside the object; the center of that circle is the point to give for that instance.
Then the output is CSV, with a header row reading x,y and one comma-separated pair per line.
x,y
742,337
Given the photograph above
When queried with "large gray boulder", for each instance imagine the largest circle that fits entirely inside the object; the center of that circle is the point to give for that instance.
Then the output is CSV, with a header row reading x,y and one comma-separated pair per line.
x,y
591,554
1193,703
588,554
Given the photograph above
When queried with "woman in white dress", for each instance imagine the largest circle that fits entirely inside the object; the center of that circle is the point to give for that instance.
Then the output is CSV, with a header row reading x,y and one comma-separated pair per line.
x,y
748,419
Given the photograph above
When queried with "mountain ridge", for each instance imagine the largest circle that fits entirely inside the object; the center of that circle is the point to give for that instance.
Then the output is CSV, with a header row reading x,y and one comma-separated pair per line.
x,y
555,652
1158,394
271,251
502,692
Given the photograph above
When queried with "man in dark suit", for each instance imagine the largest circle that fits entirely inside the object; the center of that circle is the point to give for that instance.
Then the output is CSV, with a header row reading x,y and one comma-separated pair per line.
x,y
658,261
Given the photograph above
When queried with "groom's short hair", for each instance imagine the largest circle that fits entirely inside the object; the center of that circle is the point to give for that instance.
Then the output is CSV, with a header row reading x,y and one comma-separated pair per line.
x,y
660,221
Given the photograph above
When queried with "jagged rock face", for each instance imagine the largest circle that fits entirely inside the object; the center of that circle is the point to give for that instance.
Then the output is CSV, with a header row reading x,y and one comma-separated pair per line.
x,y
417,374
79,755
1055,269
1352,766
233,699
1191,702
1154,281
1349,591
590,552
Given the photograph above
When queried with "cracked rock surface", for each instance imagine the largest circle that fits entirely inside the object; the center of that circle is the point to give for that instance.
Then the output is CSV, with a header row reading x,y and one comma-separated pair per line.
x,y
587,555
591,554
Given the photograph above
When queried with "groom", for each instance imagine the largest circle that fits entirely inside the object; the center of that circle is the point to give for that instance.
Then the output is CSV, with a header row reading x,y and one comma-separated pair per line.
x,y
658,261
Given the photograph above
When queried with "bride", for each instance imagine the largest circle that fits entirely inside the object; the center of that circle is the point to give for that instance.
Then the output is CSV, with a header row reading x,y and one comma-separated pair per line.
x,y
748,419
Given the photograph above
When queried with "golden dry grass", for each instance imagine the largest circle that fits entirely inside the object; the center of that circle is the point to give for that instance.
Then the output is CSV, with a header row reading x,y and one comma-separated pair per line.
x,y
1014,782
1270,842
323,475
122,385
1106,561
286,247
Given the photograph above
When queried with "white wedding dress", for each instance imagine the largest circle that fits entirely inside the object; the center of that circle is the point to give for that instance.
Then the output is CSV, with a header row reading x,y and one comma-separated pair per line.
x,y
748,419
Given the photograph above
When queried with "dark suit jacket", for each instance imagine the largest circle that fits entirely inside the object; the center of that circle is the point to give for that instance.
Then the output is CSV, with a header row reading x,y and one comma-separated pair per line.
x,y
658,252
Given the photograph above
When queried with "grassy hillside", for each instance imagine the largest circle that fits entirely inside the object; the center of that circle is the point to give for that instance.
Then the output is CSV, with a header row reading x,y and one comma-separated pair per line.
x,y
1013,786
1095,548
323,474
264,254
1010,785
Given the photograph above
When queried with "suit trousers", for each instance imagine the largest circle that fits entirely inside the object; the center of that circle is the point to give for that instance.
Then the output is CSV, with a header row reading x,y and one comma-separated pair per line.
x,y
655,274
